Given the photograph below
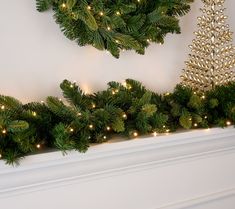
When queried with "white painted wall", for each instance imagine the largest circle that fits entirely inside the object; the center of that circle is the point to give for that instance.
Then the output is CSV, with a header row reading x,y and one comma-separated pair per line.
x,y
35,56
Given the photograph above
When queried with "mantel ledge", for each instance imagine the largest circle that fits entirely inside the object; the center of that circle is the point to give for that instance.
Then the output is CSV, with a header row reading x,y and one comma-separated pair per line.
x,y
48,170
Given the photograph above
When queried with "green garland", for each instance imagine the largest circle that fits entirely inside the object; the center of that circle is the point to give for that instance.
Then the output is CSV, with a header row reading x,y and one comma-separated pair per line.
x,y
125,109
115,25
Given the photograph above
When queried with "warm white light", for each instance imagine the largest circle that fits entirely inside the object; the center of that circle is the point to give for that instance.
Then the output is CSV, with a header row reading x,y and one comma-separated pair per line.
x,y
135,134
42,102
89,7
79,114
71,86
0,156
71,129
167,130
195,124
203,96
108,128
117,41
155,133
2,107
167,94
205,117
124,115
38,146
4,131
101,13
105,137
228,123
34,114
63,5
90,126
164,126
118,13
93,105
108,28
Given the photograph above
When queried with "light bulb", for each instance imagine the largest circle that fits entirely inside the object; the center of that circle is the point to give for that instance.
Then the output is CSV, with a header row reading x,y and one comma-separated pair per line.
x,y
108,28
34,114
4,131
38,146
71,129
93,105
167,130
63,5
101,13
89,7
0,155
203,96
228,123
2,107
90,126
104,137
155,133
135,134
124,115
118,13
108,128
195,124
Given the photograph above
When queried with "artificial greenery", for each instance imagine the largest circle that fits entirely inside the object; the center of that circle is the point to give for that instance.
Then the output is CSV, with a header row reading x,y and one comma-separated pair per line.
x,y
127,109
116,25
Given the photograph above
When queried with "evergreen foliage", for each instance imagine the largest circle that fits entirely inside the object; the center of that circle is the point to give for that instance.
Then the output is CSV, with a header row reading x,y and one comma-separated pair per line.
x,y
117,25
127,109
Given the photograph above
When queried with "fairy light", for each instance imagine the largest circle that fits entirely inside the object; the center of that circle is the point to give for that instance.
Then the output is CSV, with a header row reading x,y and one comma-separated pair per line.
x,y
228,123
71,86
164,126
135,134
205,117
91,126
167,130
93,106
104,137
79,114
118,13
34,114
89,7
60,99
154,133
38,146
71,130
2,107
101,13
0,155
167,93
124,115
117,41
108,128
138,1
108,28
194,92
63,5
203,96
42,102
4,131
190,119
195,124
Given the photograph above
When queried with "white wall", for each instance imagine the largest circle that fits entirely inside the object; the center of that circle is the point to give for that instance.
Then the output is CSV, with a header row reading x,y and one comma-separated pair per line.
x,y
35,56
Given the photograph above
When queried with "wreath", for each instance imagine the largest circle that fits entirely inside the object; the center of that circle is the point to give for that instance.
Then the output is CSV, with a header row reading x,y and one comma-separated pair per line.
x,y
116,25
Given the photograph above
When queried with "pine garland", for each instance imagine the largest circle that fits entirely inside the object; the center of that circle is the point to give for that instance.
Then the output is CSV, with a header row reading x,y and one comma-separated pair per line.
x,y
127,109
117,25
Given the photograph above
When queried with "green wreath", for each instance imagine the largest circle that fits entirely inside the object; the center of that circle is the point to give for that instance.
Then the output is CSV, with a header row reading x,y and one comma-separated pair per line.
x,y
116,25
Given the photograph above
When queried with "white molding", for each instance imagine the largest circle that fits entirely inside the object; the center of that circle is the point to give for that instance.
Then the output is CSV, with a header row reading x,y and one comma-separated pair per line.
x,y
208,198
49,170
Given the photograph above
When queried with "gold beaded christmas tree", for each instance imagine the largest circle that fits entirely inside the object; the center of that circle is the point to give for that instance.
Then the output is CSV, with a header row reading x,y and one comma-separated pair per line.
x,y
212,57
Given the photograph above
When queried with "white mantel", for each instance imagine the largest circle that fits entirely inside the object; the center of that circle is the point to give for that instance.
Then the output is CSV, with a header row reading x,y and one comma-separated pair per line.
x,y
192,170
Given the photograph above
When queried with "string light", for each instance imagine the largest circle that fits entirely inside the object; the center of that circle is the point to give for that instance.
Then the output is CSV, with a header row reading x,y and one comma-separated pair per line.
x,y
155,133
138,1
4,131
108,28
118,13
0,155
71,129
167,130
2,107
34,114
164,126
108,128
79,114
117,41
38,146
93,106
203,96
63,5
124,115
167,93
228,123
195,124
205,117
104,137
71,86
101,13
91,126
42,102
135,134
89,7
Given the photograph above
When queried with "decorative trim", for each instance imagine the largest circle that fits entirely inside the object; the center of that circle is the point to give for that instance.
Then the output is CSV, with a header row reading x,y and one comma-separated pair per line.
x,y
49,170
